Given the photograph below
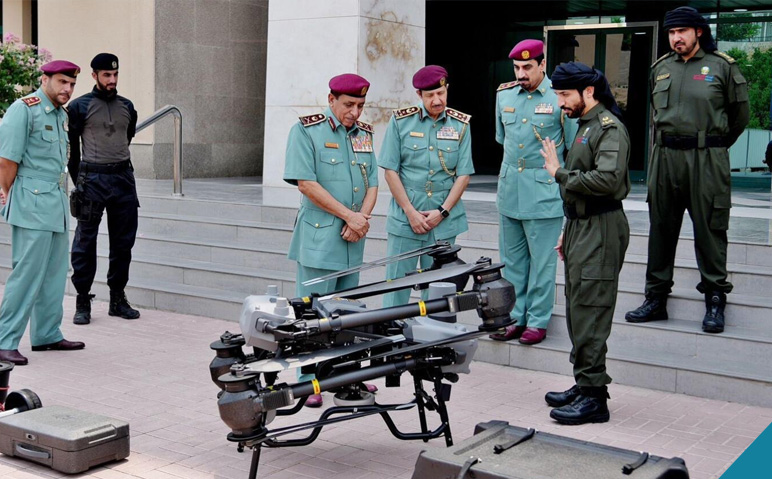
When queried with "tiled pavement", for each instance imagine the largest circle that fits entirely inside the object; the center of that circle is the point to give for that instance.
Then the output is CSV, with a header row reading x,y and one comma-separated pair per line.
x,y
153,372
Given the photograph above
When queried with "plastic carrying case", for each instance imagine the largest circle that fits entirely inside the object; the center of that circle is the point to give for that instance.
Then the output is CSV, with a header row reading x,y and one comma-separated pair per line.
x,y
65,439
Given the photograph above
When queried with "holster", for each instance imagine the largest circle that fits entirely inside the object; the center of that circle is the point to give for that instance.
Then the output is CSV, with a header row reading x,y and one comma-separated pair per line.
x,y
80,206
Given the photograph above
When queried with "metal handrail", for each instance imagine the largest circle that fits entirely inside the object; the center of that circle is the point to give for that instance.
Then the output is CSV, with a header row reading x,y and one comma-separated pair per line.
x,y
173,110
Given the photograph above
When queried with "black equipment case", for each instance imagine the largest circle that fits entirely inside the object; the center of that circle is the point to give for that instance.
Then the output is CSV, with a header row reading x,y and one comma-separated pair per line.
x,y
500,451
65,439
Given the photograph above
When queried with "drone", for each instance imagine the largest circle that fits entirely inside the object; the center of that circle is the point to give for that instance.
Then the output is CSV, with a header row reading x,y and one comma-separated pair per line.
x,y
343,343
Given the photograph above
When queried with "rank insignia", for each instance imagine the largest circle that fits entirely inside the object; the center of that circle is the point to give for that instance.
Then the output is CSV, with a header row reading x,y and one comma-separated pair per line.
x,y
463,117
365,126
544,108
405,112
663,76
416,134
507,86
362,144
331,145
509,109
705,70
447,133
309,120
606,121
31,100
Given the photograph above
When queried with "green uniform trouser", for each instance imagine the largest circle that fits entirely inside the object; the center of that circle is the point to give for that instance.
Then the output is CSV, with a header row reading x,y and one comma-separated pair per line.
x,y
35,287
527,249
304,274
594,249
699,181
397,245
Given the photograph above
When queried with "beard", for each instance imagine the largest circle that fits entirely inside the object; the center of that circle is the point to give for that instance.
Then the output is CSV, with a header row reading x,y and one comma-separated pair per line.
x,y
105,87
576,111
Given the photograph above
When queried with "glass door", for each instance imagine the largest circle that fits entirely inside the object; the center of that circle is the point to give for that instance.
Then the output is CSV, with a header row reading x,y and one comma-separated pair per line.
x,y
624,53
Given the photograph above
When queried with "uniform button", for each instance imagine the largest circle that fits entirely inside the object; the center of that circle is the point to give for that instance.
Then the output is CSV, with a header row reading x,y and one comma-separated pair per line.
x,y
525,120
530,97
429,194
316,225
431,148
364,164
332,160
549,182
521,145
541,124
36,191
431,172
448,148
520,170
353,162
356,189
415,147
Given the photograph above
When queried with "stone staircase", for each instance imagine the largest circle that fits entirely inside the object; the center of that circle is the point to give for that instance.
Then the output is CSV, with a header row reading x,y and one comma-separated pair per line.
x,y
203,257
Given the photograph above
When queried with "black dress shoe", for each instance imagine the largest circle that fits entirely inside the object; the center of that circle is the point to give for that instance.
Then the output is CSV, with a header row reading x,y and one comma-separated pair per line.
x,y
13,356
511,332
584,409
654,308
558,399
62,345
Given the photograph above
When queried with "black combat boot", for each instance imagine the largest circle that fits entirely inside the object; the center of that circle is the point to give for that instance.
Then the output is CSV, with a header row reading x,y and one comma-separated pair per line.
x,y
558,399
654,308
83,309
713,322
119,306
589,406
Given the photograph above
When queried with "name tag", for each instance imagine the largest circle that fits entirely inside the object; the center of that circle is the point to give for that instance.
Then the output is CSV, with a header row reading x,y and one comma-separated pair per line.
x,y
447,133
331,145
544,108
49,128
509,109
362,144
416,134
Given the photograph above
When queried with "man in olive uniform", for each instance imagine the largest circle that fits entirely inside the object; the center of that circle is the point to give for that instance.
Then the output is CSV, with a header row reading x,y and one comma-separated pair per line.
x,y
593,184
33,160
528,199
331,159
427,158
700,101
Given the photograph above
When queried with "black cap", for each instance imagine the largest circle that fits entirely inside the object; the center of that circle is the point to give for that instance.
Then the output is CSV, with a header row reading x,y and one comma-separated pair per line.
x,y
104,61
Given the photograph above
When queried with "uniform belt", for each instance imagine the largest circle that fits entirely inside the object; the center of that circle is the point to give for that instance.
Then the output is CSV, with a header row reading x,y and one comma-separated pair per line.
x,y
523,164
592,208
428,185
678,142
39,175
118,167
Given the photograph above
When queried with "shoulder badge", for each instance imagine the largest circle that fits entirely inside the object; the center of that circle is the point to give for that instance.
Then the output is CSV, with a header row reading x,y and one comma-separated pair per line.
x,y
405,112
463,117
309,120
31,100
606,122
365,126
664,76
724,56
507,86
662,58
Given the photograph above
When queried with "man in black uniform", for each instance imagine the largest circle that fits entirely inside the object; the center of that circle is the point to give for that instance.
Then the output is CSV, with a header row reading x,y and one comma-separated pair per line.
x,y
593,184
103,123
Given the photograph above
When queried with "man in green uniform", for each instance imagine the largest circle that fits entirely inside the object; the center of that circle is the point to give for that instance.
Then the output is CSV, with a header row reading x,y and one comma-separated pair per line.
x,y
593,184
700,101
427,158
331,159
33,158
528,199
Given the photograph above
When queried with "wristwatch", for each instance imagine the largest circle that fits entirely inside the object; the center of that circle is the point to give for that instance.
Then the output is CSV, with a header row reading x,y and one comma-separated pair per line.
x,y
445,213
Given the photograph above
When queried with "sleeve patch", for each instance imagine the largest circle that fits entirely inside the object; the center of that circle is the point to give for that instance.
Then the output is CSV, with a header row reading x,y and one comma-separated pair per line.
x,y
507,86
365,126
463,117
405,112
309,120
31,100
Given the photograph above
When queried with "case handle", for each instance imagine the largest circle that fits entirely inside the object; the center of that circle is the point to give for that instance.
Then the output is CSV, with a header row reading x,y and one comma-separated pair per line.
x,y
33,453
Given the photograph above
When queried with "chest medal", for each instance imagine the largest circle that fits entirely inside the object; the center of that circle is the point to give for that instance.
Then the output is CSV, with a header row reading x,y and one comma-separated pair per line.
x,y
362,144
447,133
544,108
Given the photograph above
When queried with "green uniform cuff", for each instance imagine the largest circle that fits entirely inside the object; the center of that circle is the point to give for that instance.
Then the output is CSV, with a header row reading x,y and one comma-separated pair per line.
x,y
561,175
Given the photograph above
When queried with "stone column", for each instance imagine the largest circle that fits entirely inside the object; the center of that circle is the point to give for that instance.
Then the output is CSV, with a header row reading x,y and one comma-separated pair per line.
x,y
309,42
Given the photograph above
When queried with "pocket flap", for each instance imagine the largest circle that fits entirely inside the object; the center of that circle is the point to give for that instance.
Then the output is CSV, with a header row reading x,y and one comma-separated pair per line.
x,y
603,272
662,85
36,186
318,219
722,202
332,157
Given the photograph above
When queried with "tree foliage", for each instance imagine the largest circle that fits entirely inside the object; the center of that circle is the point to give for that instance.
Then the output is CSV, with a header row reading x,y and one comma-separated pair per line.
x,y
737,32
756,67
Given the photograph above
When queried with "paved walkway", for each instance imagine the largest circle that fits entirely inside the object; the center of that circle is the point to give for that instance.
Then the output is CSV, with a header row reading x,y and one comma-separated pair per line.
x,y
153,372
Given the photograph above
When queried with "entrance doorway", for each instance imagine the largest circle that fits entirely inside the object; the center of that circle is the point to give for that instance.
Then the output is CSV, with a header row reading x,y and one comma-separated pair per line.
x,y
623,52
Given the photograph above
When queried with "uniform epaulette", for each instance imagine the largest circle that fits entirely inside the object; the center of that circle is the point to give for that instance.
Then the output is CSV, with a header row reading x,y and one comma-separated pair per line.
x,y
31,100
463,117
662,58
724,56
405,112
309,120
365,126
607,122
507,86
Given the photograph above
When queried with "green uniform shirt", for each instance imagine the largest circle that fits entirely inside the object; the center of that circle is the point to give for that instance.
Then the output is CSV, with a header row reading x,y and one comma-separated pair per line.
x,y
34,135
707,94
343,162
596,166
525,190
416,146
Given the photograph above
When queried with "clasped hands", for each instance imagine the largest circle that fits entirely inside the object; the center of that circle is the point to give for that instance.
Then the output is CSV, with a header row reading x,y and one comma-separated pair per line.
x,y
423,221
356,227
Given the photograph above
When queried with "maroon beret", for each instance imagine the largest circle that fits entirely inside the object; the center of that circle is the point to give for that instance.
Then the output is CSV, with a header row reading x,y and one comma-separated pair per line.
x,y
527,50
430,77
61,66
349,84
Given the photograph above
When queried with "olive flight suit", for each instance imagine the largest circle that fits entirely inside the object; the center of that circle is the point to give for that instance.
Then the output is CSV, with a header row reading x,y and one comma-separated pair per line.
x,y
34,135
429,155
528,198
320,148
700,109
593,184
